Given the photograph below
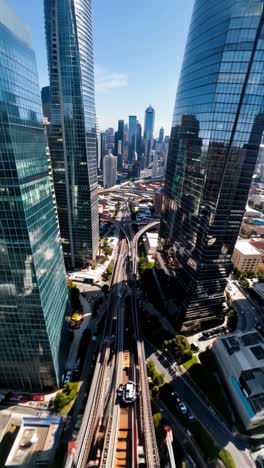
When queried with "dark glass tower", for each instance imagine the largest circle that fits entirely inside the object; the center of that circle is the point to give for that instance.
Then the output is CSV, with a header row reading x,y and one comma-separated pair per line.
x,y
33,292
132,138
215,137
72,136
119,136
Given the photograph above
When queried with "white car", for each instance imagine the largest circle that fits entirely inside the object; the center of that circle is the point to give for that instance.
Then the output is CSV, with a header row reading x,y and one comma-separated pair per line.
x,y
67,377
229,286
182,407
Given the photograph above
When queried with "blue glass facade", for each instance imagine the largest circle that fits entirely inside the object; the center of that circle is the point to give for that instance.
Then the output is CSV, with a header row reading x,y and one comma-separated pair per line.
x,y
33,292
148,132
215,137
72,135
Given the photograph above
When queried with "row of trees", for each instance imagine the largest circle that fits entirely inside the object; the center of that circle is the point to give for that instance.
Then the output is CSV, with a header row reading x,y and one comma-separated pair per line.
x,y
243,275
108,272
157,379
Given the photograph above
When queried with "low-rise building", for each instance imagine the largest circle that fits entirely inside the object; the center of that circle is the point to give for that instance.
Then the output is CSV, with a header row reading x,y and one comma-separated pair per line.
x,y
151,243
35,443
240,357
246,257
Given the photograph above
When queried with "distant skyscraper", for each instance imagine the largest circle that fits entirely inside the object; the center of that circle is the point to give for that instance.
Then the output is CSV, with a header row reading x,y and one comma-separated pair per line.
x,y
161,135
132,135
120,155
109,171
116,144
119,136
215,137
45,98
72,136
148,132
103,148
110,139
33,292
139,143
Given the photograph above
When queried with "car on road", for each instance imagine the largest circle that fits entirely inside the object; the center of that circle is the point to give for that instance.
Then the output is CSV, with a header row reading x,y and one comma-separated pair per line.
x,y
77,365
190,416
182,407
67,377
229,286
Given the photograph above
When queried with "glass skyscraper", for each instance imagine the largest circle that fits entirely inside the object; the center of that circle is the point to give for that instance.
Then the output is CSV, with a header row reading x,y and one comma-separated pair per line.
x,y
148,132
215,137
132,138
33,292
72,135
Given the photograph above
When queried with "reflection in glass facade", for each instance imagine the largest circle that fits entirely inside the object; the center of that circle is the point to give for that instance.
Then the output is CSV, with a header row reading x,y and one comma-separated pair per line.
x,y
215,137
72,136
33,292
148,132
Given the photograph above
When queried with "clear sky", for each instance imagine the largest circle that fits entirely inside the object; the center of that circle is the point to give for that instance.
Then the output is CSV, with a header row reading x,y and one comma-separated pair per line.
x,y
138,49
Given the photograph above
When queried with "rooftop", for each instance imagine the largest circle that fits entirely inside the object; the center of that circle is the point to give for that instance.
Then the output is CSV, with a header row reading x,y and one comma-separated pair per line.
x,y
246,248
245,354
35,443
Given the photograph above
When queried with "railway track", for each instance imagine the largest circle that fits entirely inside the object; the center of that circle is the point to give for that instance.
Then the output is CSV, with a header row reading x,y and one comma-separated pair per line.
x,y
94,407
147,425
112,434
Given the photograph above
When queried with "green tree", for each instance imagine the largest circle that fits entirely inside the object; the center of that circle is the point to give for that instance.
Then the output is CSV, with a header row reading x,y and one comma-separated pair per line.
x,y
179,347
232,319
245,283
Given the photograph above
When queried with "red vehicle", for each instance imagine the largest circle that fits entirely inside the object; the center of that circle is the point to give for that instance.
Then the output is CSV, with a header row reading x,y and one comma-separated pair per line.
x,y
38,398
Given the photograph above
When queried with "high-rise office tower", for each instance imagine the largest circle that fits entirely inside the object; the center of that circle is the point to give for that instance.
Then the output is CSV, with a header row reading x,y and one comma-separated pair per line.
x,y
109,171
148,132
72,136
161,135
33,292
110,139
45,98
139,143
119,136
120,155
116,144
98,145
215,137
132,138
103,149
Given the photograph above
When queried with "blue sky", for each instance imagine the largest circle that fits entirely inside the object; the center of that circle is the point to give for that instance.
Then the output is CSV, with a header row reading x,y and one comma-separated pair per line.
x,y
138,48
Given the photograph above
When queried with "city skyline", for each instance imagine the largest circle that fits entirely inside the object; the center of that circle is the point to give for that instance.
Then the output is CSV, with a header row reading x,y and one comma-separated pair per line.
x,y
119,91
